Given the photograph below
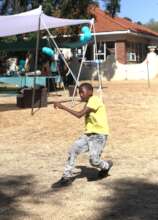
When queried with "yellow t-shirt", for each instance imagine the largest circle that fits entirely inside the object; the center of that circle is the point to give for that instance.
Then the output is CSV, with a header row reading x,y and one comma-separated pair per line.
x,y
96,122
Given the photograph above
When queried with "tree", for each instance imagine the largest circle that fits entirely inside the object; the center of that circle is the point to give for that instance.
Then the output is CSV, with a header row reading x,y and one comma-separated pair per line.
x,y
127,18
16,6
139,22
152,24
112,6
73,9
66,8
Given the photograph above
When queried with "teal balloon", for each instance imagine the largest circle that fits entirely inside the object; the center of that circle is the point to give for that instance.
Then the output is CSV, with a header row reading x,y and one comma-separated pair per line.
x,y
82,39
48,51
87,36
85,29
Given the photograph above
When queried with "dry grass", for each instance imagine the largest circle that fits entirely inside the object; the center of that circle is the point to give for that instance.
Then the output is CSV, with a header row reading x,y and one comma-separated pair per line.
x,y
34,149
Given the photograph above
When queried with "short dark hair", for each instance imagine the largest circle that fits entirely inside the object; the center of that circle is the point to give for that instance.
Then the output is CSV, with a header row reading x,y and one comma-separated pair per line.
x,y
88,86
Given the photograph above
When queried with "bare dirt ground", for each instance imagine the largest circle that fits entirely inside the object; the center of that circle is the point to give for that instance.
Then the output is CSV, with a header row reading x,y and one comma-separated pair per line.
x,y
33,150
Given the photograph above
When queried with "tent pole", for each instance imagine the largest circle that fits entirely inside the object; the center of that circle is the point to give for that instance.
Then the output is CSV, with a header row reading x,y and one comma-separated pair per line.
x,y
36,63
98,64
80,69
148,76
51,37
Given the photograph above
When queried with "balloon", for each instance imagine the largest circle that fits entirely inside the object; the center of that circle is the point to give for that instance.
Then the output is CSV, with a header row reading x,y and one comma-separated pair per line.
x,y
82,39
85,29
86,36
48,51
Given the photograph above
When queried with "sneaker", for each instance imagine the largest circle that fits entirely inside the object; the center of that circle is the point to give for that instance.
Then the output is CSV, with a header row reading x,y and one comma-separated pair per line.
x,y
64,181
104,173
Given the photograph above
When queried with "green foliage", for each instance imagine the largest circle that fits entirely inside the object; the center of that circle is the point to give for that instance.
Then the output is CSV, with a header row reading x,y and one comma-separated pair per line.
x,y
9,39
127,18
139,22
74,8
152,24
66,8
47,7
112,6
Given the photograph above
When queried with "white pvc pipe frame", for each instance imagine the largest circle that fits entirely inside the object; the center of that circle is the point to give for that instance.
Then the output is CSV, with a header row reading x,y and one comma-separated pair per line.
x,y
84,53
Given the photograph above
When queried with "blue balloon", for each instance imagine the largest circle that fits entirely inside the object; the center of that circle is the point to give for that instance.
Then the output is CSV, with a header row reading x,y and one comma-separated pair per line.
x,y
48,51
86,36
85,29
82,39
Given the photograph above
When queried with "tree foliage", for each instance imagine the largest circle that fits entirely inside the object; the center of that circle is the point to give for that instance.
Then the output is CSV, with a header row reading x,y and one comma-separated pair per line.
x,y
73,9
127,18
66,8
17,6
152,24
112,6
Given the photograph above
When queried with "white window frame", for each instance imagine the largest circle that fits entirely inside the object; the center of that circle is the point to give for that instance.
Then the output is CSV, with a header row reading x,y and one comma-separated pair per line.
x,y
97,53
132,56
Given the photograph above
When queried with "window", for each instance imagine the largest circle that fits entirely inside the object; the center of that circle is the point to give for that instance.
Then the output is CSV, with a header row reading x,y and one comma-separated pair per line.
x,y
93,52
136,52
99,51
131,56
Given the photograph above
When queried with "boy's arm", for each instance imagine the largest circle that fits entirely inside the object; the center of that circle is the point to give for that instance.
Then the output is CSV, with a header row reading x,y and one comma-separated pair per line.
x,y
77,114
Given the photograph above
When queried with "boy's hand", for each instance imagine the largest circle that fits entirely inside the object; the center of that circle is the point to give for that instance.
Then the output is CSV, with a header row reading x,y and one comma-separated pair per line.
x,y
58,105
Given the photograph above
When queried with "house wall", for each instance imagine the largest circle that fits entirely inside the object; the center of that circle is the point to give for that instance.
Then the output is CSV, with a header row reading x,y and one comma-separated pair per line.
x,y
127,43
120,51
114,70
140,71
115,67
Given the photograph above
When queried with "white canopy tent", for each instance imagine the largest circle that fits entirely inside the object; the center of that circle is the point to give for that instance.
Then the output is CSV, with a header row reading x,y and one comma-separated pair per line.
x,y
34,21
29,22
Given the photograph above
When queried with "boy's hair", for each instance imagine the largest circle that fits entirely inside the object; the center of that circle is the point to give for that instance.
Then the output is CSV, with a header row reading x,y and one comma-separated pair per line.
x,y
88,86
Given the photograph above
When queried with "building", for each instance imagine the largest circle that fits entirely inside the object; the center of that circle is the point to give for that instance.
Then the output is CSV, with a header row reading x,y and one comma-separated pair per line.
x,y
128,41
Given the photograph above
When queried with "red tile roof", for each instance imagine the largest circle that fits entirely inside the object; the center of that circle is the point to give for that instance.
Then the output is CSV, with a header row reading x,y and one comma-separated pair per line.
x,y
105,23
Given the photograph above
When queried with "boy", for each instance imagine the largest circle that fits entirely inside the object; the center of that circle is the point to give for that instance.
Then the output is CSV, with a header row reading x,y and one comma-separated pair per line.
x,y
95,136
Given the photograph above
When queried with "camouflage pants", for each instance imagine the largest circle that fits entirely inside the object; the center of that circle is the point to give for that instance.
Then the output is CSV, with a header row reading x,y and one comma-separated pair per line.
x,y
94,144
